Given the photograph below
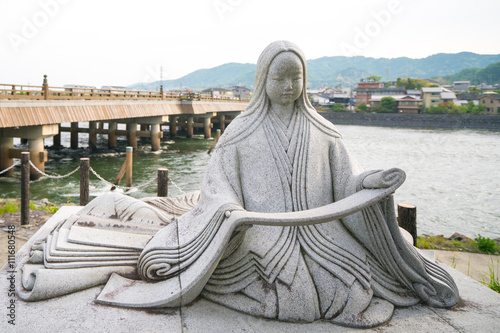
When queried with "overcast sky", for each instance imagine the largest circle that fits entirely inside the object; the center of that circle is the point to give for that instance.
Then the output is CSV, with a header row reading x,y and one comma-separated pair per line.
x,y
99,42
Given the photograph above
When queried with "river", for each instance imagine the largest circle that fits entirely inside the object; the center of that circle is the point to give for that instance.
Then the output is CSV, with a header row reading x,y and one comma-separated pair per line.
x,y
453,176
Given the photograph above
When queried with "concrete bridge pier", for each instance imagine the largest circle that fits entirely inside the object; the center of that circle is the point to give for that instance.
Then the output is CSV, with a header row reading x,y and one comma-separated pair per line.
x,y
112,142
35,136
173,125
6,145
93,136
38,156
74,136
132,135
222,122
156,135
57,138
189,129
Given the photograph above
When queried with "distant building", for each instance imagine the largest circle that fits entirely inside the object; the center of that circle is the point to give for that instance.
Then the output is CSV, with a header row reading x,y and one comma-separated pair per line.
x,y
460,86
218,92
78,88
405,103
241,92
414,92
369,87
492,103
436,95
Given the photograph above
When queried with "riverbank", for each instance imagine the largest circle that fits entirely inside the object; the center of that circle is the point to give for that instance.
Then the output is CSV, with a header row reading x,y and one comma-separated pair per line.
x,y
428,121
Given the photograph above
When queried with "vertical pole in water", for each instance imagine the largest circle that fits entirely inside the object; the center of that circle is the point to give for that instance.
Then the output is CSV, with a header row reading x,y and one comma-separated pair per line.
x,y
112,134
173,125
128,172
407,219
222,122
207,127
25,188
84,181
6,144
57,138
155,137
93,136
163,182
74,135
132,134
190,121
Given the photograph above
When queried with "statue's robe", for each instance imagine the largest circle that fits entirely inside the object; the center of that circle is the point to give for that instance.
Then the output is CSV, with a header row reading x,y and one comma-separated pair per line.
x,y
351,271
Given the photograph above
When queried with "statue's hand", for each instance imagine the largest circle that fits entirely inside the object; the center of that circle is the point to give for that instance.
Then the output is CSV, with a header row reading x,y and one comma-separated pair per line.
x,y
384,179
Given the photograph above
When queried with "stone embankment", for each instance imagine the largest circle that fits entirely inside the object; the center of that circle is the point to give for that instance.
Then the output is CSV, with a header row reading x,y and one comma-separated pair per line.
x,y
451,121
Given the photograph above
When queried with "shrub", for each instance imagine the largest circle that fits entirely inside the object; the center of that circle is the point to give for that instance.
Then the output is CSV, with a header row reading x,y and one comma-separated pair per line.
x,y
485,244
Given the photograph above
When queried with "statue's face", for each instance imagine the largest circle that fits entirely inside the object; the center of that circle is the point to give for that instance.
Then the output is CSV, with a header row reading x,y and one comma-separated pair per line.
x,y
285,79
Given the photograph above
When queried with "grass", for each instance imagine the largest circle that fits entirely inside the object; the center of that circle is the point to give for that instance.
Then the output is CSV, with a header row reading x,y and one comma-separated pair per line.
x,y
9,206
479,245
493,283
13,206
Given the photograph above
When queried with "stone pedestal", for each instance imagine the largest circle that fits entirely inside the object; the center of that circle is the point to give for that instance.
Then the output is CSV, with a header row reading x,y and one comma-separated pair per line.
x,y
478,310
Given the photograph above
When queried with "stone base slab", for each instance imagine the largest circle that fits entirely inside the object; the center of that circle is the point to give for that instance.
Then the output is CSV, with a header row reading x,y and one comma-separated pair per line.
x,y
477,311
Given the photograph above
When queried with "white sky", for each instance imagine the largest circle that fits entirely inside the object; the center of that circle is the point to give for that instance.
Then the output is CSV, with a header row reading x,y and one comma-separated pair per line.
x,y
99,42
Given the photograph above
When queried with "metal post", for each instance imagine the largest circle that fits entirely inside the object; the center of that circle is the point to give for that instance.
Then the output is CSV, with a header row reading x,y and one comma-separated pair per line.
x,y
163,182
84,181
25,188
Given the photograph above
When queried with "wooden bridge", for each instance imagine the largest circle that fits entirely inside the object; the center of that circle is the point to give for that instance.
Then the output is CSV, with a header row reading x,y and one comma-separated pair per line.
x,y
33,113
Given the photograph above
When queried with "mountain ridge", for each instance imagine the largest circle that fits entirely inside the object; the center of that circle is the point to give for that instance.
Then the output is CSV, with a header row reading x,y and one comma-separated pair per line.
x,y
334,70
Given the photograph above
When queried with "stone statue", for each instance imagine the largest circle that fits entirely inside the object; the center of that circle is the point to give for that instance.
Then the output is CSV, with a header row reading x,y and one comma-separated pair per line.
x,y
287,226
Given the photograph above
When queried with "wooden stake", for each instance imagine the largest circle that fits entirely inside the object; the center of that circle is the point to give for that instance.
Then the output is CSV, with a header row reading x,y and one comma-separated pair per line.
x,y
84,181
25,188
163,182
215,142
128,171
407,219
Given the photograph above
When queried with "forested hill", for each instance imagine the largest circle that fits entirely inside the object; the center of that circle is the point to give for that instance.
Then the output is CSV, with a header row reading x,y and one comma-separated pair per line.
x,y
332,71
489,75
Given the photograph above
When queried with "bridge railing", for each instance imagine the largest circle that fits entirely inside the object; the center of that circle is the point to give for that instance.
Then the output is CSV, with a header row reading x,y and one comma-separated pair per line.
x,y
44,92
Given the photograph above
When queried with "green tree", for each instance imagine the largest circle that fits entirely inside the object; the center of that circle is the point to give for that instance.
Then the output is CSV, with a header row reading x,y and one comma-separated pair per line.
x,y
389,105
338,107
361,108
375,78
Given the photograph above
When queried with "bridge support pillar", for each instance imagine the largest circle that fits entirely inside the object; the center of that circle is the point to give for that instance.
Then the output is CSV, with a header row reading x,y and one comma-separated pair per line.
x,y
57,139
155,137
132,134
38,156
173,125
6,144
190,121
112,134
74,135
222,122
207,127
93,136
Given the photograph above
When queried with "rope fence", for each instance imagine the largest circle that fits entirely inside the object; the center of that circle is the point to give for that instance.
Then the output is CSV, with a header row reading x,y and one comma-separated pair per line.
x,y
26,164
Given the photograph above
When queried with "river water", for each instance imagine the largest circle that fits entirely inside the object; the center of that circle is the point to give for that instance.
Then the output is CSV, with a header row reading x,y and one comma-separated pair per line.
x,y
453,176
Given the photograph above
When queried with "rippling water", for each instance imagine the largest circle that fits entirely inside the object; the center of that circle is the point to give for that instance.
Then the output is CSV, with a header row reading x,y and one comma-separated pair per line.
x,y
453,176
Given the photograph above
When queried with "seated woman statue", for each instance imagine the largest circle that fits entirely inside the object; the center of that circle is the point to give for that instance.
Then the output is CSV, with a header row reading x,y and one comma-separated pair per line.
x,y
287,227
